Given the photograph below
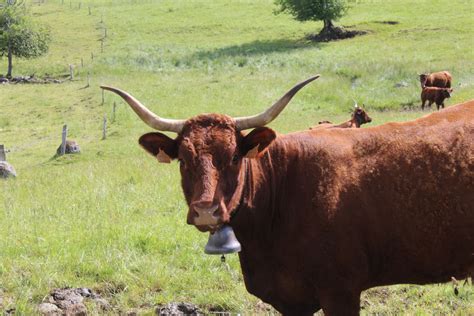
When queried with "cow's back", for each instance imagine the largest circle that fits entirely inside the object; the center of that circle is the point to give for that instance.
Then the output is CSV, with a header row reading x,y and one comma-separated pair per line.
x,y
405,194
440,79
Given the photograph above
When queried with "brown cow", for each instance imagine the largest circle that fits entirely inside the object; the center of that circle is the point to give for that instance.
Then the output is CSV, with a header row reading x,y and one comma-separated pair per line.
x,y
440,79
435,95
359,117
323,215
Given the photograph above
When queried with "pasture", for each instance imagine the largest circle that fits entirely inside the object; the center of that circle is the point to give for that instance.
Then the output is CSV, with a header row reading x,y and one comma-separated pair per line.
x,y
111,218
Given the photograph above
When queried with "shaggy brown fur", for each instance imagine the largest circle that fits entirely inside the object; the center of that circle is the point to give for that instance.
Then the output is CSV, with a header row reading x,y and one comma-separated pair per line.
x,y
435,95
323,215
440,79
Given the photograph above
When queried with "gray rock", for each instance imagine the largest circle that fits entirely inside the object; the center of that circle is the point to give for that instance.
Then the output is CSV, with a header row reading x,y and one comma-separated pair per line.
x,y
49,309
401,84
178,309
70,301
7,170
103,304
72,147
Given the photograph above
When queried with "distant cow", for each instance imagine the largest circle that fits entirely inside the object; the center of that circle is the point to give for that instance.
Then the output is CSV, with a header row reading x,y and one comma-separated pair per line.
x,y
359,117
323,215
440,79
435,95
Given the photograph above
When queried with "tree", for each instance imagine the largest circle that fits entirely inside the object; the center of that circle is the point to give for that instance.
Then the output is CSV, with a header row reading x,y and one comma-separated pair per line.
x,y
19,36
315,10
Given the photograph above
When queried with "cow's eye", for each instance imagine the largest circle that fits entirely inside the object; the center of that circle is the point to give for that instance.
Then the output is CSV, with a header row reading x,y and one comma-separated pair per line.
x,y
235,159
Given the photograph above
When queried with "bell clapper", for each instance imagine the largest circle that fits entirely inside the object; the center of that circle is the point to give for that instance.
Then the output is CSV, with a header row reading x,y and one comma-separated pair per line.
x,y
223,259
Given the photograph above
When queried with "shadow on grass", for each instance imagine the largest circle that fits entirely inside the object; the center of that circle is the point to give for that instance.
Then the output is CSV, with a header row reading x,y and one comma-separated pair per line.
x,y
256,48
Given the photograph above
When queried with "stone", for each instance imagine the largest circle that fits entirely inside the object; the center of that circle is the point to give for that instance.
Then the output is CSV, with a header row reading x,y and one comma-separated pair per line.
x,y
72,147
49,309
176,309
7,170
70,301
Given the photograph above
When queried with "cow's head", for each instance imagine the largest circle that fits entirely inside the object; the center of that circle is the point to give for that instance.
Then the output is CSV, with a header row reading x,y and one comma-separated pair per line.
x,y
213,154
423,78
446,93
360,116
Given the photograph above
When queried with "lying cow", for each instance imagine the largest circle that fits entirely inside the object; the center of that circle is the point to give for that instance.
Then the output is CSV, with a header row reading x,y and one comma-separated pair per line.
x,y
440,79
359,117
323,215
435,95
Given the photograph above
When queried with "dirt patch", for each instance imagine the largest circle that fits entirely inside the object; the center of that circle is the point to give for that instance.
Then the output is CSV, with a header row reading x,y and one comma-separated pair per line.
x,y
337,33
70,301
388,22
32,80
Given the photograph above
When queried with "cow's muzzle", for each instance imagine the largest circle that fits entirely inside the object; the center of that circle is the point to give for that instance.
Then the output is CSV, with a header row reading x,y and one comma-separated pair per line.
x,y
204,217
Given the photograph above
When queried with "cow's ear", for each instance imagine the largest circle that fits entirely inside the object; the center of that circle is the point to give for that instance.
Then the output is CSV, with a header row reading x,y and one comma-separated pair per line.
x,y
159,145
257,141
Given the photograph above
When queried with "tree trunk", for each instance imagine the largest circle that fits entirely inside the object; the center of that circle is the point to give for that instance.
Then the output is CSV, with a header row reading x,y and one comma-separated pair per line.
x,y
328,27
10,62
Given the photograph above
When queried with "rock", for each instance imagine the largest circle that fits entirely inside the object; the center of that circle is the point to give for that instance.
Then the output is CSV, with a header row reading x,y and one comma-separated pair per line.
x,y
70,301
7,170
401,84
103,304
72,147
49,309
178,309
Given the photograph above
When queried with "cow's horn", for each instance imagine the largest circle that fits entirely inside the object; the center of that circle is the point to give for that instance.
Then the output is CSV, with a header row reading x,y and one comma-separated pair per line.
x,y
153,120
272,112
355,104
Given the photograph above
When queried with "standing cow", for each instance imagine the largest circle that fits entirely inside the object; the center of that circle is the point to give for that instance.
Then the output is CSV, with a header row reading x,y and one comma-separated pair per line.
x,y
440,79
323,215
435,95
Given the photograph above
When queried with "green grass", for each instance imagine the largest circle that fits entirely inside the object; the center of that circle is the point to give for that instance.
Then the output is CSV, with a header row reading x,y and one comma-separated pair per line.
x,y
113,219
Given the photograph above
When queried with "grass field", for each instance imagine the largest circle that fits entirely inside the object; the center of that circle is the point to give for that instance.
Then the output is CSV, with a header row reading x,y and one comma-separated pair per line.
x,y
111,218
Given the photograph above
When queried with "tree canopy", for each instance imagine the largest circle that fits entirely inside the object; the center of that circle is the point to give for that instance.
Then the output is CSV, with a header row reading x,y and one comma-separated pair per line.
x,y
313,10
19,36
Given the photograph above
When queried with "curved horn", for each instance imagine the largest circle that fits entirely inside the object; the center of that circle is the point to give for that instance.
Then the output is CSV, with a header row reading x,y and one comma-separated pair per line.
x,y
272,112
150,118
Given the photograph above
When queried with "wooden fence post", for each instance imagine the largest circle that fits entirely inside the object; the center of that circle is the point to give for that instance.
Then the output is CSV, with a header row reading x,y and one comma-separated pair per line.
x,y
104,128
82,62
64,137
92,56
71,72
114,108
103,96
102,46
90,12
3,155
